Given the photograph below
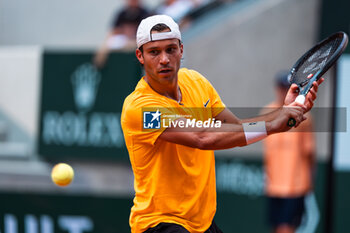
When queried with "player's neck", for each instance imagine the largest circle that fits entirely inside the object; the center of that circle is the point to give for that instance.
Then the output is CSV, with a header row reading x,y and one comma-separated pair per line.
x,y
169,89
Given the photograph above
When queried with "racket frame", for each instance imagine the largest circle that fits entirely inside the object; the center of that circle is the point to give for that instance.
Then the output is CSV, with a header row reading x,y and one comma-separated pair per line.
x,y
305,87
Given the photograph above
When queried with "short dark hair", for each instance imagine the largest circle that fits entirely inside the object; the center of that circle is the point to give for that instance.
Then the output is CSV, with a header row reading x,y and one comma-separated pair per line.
x,y
160,27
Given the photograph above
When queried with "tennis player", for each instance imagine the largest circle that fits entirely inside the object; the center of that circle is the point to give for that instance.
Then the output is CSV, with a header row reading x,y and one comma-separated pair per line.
x,y
174,169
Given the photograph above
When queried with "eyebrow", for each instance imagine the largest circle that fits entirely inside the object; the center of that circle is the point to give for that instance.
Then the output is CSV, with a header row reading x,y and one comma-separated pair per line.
x,y
157,47
153,48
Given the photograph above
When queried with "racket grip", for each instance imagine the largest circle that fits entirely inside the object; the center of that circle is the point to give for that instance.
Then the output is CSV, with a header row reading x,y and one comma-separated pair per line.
x,y
301,100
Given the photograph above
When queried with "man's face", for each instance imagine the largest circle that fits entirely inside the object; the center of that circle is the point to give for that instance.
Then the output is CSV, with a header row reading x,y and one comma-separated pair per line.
x,y
161,59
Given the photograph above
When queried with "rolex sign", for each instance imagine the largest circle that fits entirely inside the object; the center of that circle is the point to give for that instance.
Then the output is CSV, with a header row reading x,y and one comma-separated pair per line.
x,y
81,104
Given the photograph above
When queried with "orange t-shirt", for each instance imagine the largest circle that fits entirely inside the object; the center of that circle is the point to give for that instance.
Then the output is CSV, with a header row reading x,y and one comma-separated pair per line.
x,y
173,183
289,160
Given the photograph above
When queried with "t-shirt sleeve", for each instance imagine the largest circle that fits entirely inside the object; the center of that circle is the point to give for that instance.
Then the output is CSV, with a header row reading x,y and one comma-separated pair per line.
x,y
142,121
217,104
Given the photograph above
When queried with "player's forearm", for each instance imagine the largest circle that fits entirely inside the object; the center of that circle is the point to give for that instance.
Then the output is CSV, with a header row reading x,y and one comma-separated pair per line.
x,y
232,135
227,116
228,136
212,138
265,117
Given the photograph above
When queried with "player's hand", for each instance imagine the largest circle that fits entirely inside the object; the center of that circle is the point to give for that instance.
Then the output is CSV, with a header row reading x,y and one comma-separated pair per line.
x,y
293,92
312,95
279,124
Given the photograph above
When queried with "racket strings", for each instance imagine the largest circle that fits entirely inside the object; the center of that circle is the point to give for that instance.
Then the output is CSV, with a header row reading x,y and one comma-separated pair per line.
x,y
314,62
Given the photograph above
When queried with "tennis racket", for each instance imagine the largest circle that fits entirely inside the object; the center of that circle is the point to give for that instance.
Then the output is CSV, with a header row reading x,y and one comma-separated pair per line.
x,y
314,63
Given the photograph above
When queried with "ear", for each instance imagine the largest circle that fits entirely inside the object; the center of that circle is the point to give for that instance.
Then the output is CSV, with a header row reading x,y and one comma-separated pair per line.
x,y
139,56
181,49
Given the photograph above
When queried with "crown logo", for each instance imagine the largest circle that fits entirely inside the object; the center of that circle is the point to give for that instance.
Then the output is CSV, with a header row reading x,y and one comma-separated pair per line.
x,y
85,80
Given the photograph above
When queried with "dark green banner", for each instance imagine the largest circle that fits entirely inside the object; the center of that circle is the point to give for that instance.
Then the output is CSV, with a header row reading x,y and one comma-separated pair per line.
x,y
81,105
39,213
241,206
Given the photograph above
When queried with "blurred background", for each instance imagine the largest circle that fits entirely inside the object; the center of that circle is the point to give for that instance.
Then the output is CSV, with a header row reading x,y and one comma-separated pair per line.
x,y
66,67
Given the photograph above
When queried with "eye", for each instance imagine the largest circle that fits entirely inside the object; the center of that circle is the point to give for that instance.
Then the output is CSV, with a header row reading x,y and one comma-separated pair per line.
x,y
153,52
171,49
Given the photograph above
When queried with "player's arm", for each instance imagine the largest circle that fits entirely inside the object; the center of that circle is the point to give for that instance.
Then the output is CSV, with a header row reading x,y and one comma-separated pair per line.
x,y
226,116
229,134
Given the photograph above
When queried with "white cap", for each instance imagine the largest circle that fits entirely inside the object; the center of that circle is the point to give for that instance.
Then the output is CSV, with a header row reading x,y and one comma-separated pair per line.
x,y
144,35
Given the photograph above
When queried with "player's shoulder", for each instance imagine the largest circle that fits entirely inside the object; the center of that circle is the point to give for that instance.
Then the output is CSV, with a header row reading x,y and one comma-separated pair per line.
x,y
188,75
142,97
139,99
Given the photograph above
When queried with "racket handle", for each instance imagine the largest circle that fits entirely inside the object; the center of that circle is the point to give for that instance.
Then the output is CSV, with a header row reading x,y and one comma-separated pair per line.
x,y
301,100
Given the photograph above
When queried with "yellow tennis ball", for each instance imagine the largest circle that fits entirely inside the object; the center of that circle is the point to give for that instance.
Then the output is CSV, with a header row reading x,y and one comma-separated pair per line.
x,y
62,174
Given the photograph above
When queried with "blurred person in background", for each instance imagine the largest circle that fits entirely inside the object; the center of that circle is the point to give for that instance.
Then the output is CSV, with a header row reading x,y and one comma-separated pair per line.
x,y
177,9
122,35
289,165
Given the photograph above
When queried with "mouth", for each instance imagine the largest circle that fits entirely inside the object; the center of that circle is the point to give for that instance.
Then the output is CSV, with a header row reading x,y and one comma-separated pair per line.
x,y
165,71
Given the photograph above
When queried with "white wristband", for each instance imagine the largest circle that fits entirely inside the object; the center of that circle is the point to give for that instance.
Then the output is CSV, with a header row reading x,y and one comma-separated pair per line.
x,y
254,131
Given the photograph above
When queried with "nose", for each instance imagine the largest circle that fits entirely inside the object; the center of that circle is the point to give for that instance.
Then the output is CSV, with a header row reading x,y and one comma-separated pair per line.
x,y
164,59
